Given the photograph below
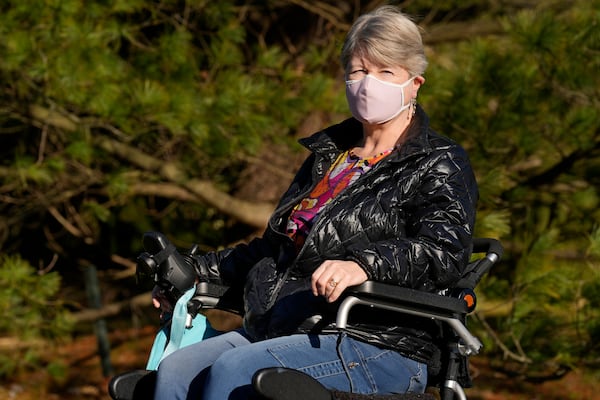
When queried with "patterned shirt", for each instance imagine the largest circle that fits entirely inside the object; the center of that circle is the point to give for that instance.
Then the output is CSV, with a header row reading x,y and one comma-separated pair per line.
x,y
345,170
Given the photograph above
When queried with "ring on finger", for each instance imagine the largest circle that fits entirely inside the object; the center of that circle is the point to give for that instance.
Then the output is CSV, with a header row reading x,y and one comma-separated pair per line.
x,y
332,283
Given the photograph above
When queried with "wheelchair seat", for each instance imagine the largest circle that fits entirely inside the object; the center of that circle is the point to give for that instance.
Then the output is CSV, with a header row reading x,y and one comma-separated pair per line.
x,y
450,309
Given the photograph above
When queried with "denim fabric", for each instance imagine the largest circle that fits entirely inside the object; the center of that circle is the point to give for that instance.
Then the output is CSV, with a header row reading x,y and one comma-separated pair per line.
x,y
181,375
222,367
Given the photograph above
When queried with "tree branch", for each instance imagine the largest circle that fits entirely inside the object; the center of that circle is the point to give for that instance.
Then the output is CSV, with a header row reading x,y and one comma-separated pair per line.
x,y
457,31
330,13
109,310
72,229
253,214
521,357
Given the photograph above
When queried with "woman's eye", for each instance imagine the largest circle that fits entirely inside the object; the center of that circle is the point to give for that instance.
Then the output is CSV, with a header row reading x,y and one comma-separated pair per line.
x,y
356,74
387,72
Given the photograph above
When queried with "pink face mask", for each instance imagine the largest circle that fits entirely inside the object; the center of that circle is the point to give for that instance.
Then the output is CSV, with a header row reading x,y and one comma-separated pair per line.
x,y
374,101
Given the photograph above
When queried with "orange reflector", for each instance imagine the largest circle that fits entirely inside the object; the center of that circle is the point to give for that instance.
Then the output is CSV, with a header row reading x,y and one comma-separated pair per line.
x,y
470,300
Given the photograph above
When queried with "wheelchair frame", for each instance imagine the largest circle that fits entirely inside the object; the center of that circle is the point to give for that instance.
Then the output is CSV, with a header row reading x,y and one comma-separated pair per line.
x,y
449,310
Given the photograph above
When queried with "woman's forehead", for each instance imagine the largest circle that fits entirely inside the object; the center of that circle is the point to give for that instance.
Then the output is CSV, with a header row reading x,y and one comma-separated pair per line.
x,y
363,60
371,55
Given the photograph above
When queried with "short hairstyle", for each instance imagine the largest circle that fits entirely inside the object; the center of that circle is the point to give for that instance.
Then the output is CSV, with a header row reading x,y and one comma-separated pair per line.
x,y
386,36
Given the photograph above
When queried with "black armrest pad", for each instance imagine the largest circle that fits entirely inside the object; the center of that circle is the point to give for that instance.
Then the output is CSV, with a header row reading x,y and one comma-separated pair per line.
x,y
210,289
411,297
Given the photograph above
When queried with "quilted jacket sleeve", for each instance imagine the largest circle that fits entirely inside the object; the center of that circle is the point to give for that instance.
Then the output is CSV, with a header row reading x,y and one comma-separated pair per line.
x,y
230,266
435,243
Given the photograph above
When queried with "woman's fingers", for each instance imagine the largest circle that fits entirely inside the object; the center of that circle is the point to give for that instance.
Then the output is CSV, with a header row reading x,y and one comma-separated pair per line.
x,y
155,302
159,300
332,277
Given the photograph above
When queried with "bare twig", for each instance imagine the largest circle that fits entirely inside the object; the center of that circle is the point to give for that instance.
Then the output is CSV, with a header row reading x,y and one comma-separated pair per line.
x,y
325,11
522,358
113,309
127,263
83,227
50,266
72,229
42,148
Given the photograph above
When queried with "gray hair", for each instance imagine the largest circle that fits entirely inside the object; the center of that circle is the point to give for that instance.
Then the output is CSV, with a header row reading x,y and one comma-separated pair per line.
x,y
386,36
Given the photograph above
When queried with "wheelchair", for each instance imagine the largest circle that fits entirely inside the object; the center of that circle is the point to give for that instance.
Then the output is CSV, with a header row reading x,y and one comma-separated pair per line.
x,y
449,309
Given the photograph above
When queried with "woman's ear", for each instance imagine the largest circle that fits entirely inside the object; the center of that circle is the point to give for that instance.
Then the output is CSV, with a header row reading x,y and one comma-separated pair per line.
x,y
417,82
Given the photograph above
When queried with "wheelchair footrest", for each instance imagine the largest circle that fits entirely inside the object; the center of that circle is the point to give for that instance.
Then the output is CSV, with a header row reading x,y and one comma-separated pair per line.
x,y
289,384
133,385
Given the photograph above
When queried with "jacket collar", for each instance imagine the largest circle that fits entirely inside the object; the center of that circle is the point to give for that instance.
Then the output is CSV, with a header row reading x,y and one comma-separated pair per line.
x,y
336,138
348,133
417,138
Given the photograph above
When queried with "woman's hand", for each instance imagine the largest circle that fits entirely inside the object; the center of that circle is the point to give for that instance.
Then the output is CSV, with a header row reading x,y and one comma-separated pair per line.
x,y
160,301
333,276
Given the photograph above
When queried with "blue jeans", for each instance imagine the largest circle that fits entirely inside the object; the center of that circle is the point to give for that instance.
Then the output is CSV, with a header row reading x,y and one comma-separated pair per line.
x,y
221,367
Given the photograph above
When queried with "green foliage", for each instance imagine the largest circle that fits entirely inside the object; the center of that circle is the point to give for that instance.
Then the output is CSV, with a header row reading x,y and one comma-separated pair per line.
x,y
180,82
142,72
526,106
32,315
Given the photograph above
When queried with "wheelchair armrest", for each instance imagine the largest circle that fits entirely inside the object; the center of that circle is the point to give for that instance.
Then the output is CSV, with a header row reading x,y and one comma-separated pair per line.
x,y
212,300
208,294
401,295
409,301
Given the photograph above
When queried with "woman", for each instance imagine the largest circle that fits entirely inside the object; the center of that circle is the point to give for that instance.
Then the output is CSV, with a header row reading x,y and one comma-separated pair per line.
x,y
381,197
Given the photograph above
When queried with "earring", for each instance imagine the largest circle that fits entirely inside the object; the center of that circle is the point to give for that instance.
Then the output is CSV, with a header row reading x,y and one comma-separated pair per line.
x,y
412,109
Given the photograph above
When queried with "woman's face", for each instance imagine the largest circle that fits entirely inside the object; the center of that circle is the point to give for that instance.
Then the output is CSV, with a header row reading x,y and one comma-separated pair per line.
x,y
384,96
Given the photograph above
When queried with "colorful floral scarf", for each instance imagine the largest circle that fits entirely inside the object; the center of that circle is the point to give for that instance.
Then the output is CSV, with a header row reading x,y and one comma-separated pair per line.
x,y
346,169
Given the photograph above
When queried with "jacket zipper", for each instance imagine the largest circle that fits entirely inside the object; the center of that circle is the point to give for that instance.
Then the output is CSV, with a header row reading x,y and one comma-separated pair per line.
x,y
284,276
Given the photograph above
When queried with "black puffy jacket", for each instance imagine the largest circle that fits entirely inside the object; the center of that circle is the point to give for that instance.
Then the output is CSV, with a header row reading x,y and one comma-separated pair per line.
x,y
408,221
